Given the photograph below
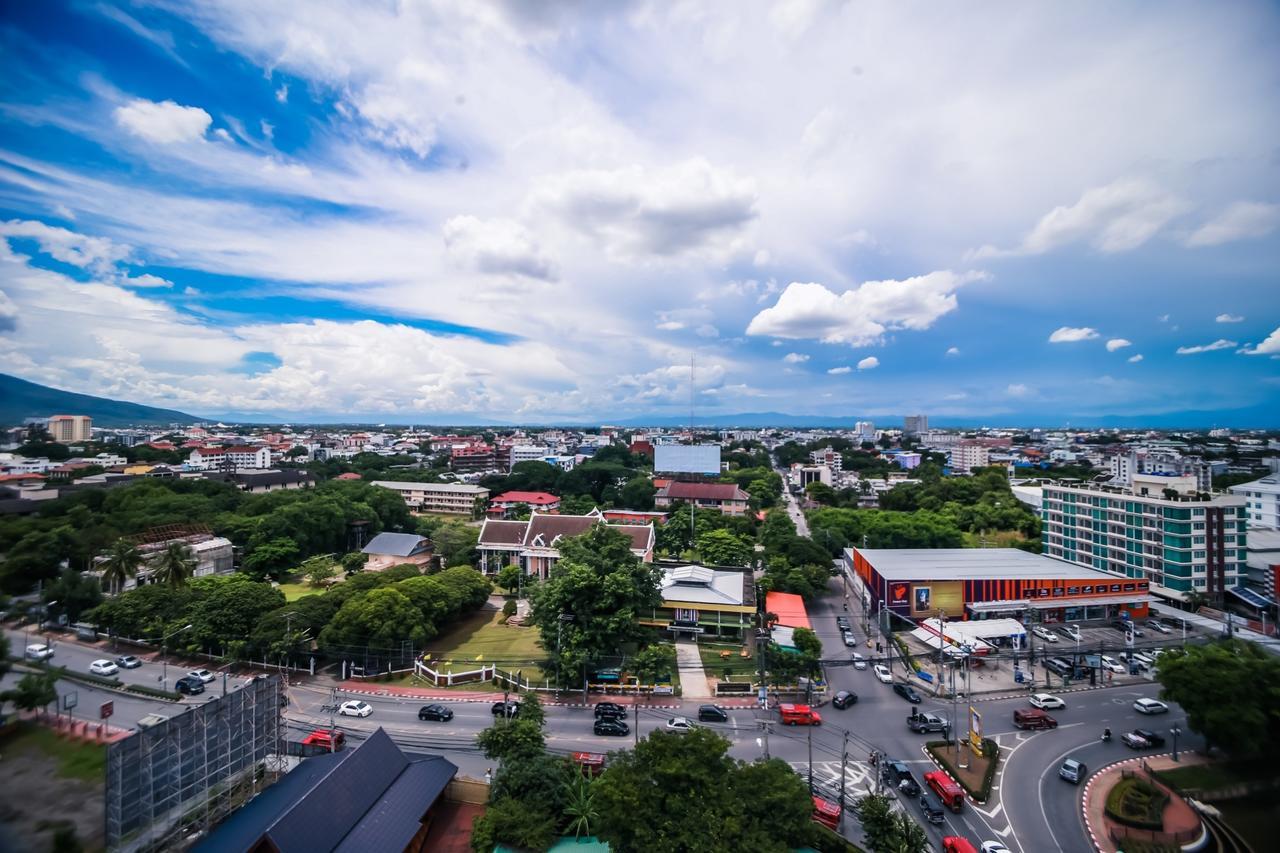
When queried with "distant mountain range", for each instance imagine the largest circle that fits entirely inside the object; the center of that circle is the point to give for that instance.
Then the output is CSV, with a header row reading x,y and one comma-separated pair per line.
x,y
20,399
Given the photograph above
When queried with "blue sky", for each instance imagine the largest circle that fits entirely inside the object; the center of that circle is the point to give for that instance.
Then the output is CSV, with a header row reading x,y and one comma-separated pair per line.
x,y
542,212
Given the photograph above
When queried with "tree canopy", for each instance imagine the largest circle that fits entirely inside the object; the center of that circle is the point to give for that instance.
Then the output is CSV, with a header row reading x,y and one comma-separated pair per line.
x,y
1231,693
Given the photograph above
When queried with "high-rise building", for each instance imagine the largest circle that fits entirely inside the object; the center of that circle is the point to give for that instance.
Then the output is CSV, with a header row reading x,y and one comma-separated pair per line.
x,y
1125,465
1162,530
1262,501
70,428
915,424
866,430
969,454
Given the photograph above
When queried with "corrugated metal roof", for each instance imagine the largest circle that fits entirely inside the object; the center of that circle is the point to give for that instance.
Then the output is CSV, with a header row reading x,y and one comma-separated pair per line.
x,y
397,816
396,544
936,564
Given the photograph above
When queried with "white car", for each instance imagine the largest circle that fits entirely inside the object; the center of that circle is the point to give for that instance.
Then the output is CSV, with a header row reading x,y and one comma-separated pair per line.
x,y
1073,632
39,651
151,720
103,667
994,847
1045,634
859,662
1045,701
679,724
355,708
882,673
204,675
1144,658
1113,665
1150,706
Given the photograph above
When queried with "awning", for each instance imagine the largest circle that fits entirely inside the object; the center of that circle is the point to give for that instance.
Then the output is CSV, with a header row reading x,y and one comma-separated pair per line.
x,y
1250,597
1055,603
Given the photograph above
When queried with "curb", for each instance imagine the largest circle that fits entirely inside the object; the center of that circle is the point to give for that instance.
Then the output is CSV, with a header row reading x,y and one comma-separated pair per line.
x,y
1024,693
1088,786
929,755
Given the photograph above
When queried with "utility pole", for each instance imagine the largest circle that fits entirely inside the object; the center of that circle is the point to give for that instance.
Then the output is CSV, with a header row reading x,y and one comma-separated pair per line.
x,y
764,724
636,727
810,727
844,761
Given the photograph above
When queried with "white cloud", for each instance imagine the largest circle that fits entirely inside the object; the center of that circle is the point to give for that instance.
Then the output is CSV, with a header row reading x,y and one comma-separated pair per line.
x,y
145,280
1118,343
838,371
1270,346
8,313
1070,334
953,351
1221,343
795,358
1115,218
78,250
862,315
706,330
1163,318
496,247
1134,359
670,325
1018,389
869,363
164,122
282,94
1241,221
1229,318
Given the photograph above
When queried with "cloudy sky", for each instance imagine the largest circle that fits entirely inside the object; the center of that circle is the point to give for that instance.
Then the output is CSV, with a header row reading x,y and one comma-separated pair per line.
x,y
537,211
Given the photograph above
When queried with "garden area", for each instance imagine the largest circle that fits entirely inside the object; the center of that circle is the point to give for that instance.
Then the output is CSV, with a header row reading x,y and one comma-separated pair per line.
x,y
483,638
1136,802
721,659
979,772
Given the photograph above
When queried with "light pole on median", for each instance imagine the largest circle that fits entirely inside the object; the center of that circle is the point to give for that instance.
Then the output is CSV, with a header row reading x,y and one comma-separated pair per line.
x,y
164,679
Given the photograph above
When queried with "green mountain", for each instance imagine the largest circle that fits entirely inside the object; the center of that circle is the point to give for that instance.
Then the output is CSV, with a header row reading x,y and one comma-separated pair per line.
x,y
20,399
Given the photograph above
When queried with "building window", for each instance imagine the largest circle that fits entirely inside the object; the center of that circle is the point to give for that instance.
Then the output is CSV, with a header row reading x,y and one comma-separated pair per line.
x,y
1057,592
1115,587
1087,590
1073,590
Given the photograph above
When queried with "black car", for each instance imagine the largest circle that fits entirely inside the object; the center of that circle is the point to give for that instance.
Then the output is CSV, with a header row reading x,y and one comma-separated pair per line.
x,y
932,808
610,726
189,684
510,708
439,713
896,774
906,691
844,699
843,622
1150,737
712,714
610,711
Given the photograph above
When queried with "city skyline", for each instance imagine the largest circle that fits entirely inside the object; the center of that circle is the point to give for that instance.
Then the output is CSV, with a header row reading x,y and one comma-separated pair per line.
x,y
532,215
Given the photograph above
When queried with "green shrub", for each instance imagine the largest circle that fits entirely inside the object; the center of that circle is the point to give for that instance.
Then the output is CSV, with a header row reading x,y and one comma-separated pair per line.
x,y
1135,802
509,608
156,692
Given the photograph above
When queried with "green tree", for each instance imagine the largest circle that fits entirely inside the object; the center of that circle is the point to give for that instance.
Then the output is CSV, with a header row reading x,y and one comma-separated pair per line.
x,y
225,609
271,558
581,806
507,738
174,566
456,543
577,504
122,562
722,548
605,588
821,493
509,578
381,618
1231,693
142,613
638,493
319,569
34,691
653,662
510,821
74,593
354,562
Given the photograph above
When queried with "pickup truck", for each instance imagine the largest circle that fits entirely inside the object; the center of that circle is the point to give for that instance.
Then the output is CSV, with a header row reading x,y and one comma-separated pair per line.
x,y
926,722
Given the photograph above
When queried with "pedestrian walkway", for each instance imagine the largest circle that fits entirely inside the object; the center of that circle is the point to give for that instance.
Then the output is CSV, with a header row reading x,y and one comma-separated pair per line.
x,y
693,678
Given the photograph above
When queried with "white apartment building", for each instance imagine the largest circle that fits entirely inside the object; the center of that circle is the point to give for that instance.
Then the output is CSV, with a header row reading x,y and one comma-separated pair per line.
x,y
968,455
1262,501
1176,541
68,429
938,439
1125,465
444,498
865,430
529,453
915,424
828,458
222,458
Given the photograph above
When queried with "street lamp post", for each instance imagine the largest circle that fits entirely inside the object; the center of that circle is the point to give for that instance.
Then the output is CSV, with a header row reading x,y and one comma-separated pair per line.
x,y
1175,731
164,647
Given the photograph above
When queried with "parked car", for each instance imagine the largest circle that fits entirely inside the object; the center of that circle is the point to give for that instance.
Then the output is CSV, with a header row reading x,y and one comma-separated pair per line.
x,y
355,708
1045,701
1072,631
843,622
679,724
188,685
1110,663
1061,666
1145,658
103,667
1135,661
931,808
926,722
896,775
39,651
1124,626
844,699
204,675
906,691
330,739
151,720
610,710
859,662
1157,625
712,714
882,673
610,726
437,713
1073,771
1045,634
128,662
1150,706
1150,737
509,708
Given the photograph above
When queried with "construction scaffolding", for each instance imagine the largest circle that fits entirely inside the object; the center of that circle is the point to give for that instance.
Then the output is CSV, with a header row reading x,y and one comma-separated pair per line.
x,y
168,785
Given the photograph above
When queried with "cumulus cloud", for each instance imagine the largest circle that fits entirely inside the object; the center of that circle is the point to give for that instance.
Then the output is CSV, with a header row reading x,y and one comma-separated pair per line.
x,y
1118,343
1134,359
1241,221
869,363
636,211
78,250
862,315
1221,343
163,122
1018,389
706,330
146,280
496,247
1229,318
1116,218
1270,346
838,371
670,325
953,351
8,313
795,358
1070,334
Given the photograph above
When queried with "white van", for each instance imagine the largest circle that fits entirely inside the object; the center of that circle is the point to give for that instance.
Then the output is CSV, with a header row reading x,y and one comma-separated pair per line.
x,y
1073,771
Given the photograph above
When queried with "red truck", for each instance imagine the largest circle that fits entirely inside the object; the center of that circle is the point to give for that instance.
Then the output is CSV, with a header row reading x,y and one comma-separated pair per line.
x,y
826,813
330,740
947,789
799,715
957,844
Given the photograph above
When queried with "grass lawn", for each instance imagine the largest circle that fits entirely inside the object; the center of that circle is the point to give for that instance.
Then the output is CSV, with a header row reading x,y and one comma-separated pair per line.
x,y
296,586
86,762
714,663
1207,777
481,639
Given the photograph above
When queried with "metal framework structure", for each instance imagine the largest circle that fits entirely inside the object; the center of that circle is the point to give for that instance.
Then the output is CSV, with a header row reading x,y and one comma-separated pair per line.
x,y
174,781
165,532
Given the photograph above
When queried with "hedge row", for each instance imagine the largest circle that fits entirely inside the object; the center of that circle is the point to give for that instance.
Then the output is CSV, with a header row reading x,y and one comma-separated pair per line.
x,y
1134,801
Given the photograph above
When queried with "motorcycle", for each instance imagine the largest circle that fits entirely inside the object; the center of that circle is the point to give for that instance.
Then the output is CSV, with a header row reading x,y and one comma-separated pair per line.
x,y
1106,736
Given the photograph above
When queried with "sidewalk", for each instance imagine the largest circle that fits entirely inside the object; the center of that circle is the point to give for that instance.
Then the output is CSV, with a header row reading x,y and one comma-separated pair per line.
x,y
568,698
693,678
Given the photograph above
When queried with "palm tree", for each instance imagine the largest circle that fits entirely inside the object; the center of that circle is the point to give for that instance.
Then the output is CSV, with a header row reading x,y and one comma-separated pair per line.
x,y
122,562
581,807
174,565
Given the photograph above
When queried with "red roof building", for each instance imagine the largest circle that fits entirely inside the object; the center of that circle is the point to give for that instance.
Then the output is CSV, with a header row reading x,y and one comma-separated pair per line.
x,y
728,498
508,501
789,608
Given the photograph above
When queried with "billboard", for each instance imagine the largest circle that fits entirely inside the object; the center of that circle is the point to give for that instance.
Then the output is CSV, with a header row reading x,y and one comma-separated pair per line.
x,y
686,459
934,597
975,730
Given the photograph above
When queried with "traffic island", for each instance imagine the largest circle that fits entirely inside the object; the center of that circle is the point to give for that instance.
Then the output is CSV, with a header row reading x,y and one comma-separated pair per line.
x,y
1127,808
979,771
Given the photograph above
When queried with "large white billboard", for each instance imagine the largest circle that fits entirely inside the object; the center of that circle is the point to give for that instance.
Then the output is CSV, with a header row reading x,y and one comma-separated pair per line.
x,y
686,459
